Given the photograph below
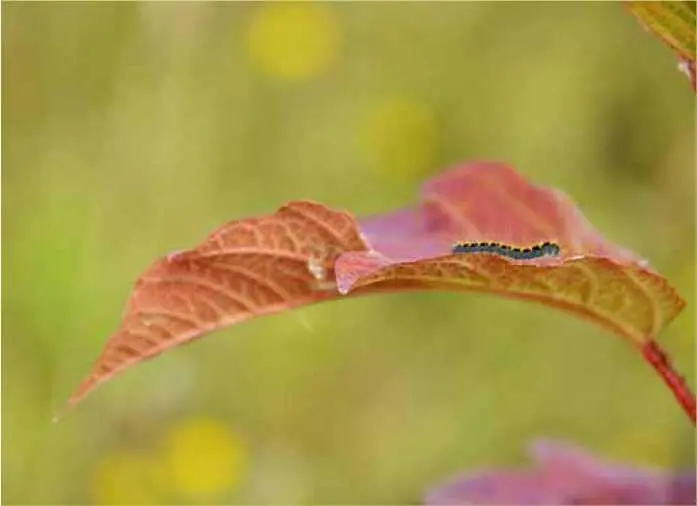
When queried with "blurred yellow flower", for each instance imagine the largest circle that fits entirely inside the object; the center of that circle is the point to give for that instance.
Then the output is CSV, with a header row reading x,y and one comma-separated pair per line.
x,y
400,136
202,457
292,41
127,478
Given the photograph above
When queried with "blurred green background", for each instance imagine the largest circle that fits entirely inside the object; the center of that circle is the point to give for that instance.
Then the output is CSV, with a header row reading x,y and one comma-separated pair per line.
x,y
134,129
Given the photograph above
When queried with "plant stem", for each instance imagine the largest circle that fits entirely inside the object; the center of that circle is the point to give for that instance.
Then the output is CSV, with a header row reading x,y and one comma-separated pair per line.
x,y
658,359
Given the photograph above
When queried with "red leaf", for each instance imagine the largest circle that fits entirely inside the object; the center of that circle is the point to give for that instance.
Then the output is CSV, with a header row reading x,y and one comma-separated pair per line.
x,y
307,253
246,268
490,202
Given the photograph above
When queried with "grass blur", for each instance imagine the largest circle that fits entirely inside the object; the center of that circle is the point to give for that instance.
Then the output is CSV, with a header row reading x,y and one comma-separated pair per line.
x,y
134,129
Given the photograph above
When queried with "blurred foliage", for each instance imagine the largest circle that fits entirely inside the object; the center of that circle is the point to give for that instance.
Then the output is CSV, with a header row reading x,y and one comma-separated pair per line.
x,y
134,129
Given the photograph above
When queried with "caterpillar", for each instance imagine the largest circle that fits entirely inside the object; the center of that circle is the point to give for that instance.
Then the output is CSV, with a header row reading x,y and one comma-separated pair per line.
x,y
545,249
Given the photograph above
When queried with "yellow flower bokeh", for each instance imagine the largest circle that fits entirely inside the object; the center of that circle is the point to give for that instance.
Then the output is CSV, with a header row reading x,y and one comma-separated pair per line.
x,y
197,459
400,137
292,41
202,457
127,477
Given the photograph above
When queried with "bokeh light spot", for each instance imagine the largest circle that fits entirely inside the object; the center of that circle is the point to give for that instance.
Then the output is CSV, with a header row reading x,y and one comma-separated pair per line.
x,y
400,137
202,457
292,41
127,477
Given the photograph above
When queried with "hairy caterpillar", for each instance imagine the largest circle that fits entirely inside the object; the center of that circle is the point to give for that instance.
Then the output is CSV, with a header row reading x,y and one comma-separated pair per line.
x,y
545,249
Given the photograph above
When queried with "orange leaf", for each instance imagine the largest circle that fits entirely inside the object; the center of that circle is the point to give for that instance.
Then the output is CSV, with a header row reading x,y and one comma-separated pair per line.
x,y
246,268
307,253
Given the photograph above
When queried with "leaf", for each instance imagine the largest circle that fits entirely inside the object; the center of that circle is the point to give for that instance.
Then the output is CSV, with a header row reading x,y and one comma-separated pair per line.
x,y
566,474
307,253
246,268
490,202
674,24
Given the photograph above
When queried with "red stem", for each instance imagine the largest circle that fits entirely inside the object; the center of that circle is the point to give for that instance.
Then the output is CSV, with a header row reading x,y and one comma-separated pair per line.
x,y
658,359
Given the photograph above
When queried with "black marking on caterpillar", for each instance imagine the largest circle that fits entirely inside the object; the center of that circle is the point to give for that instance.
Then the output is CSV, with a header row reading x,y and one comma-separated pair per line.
x,y
545,249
